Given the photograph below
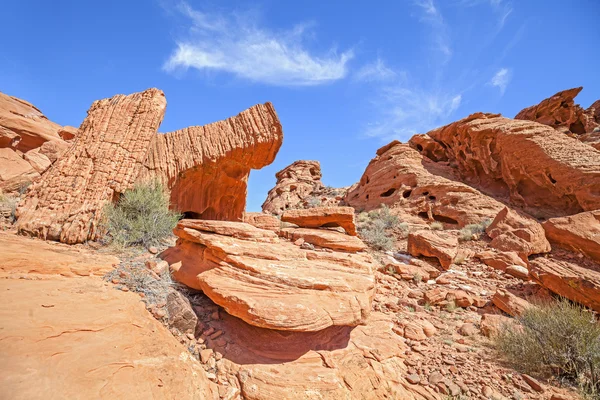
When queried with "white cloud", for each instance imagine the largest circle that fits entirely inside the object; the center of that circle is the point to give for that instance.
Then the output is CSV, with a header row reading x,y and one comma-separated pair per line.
x,y
408,111
501,79
238,46
439,31
375,71
501,8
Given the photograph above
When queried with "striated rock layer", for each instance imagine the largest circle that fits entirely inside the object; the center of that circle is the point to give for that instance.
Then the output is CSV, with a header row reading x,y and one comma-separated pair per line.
x,y
545,173
29,142
401,177
66,205
270,282
579,232
207,167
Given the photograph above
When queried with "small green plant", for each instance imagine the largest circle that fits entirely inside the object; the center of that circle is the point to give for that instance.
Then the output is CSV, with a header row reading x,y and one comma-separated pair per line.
x,y
459,259
410,308
474,230
141,217
555,338
428,307
451,306
8,207
417,278
436,226
375,226
313,202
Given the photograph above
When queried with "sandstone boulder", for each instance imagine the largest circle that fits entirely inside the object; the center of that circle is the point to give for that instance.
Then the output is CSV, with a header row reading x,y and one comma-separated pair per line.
x,y
501,260
566,279
492,324
545,173
323,217
512,232
440,245
419,188
325,238
509,303
262,221
579,232
269,282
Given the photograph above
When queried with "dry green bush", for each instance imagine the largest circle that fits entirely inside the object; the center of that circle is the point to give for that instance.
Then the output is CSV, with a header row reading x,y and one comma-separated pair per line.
x,y
376,226
436,226
140,217
556,338
469,231
8,207
140,279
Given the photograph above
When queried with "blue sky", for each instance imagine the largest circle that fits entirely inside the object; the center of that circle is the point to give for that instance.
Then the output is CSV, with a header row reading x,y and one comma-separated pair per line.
x,y
345,77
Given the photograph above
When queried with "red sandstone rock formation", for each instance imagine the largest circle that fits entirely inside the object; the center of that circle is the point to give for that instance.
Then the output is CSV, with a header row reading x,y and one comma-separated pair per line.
x,y
29,142
416,186
270,282
66,205
579,232
323,217
561,113
440,245
545,173
206,167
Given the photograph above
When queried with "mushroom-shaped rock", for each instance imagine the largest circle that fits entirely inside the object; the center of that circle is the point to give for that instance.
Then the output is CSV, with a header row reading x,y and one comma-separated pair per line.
x,y
442,246
270,282
323,217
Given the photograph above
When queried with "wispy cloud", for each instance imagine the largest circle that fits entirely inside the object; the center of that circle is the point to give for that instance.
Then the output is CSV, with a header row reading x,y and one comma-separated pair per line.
x,y
235,44
501,79
501,8
411,110
375,71
432,16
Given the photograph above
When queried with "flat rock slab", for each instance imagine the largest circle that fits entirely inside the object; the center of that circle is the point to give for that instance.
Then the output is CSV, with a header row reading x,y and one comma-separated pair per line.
x,y
79,338
272,283
323,217
579,232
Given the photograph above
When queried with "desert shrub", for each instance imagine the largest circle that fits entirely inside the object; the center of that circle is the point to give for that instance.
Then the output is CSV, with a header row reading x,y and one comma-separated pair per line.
x,y
8,206
436,226
140,279
141,216
374,228
313,202
555,338
471,230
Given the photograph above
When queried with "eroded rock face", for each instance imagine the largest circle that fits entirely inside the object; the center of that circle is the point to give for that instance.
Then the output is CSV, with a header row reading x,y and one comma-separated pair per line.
x,y
402,178
295,184
323,217
440,245
545,173
66,204
206,167
269,282
579,232
29,142
561,112
566,279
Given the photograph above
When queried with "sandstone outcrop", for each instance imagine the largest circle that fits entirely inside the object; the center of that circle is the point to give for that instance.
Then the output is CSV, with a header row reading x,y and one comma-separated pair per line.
x,y
66,204
566,279
561,113
269,282
402,178
206,168
509,303
440,245
511,232
29,142
501,260
262,220
579,232
545,173
323,217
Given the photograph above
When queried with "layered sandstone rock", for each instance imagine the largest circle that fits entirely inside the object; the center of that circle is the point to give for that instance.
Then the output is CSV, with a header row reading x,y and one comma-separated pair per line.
x,y
270,282
402,178
66,205
561,112
262,220
440,245
509,303
29,142
323,217
545,173
295,183
566,279
579,232
206,168
511,232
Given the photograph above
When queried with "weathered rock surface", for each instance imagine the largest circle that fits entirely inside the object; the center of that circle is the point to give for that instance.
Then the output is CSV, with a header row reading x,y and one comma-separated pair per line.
x,y
566,279
270,282
325,238
323,217
492,324
579,232
509,303
23,132
501,260
206,167
402,178
512,232
295,184
262,221
66,204
79,337
440,245
561,112
545,173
